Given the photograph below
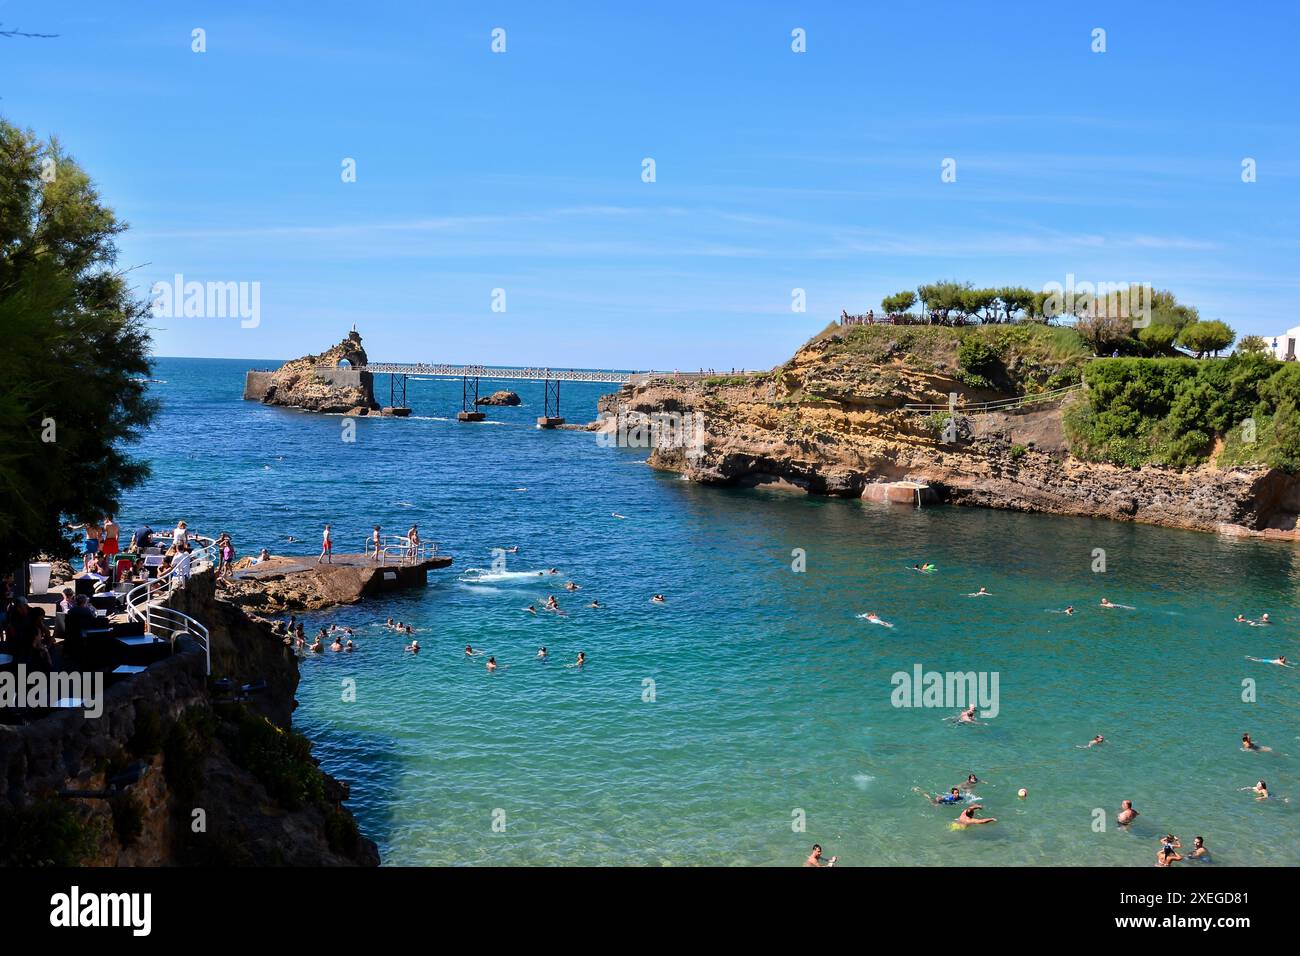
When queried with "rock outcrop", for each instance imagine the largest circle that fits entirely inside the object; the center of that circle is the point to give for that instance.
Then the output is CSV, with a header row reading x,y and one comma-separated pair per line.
x,y
831,424
503,397
335,381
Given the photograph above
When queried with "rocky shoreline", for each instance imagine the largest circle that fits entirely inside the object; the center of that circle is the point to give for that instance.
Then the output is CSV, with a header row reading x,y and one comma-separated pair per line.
x,y
768,431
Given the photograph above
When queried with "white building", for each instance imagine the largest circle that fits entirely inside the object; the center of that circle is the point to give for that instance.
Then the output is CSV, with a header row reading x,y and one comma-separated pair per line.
x,y
1285,346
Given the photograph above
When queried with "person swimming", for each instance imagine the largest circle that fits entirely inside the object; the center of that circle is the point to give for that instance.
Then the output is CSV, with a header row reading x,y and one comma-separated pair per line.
x,y
541,654
967,817
942,799
594,603
1279,661
491,664
571,586
1240,619
1069,609
1094,742
1248,744
336,646
1260,790
349,647
1106,603
1126,813
615,514
531,609
551,604
1167,855
582,659
967,716
982,592
514,550
1263,619
871,617
657,599
971,782
470,652
413,647
815,858
1199,850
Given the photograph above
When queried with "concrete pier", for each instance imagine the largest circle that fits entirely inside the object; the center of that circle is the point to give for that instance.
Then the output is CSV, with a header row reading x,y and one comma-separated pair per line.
x,y
470,416
300,582
547,421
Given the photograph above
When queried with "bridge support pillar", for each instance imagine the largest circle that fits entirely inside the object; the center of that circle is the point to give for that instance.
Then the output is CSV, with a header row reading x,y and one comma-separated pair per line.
x,y
551,418
469,410
396,401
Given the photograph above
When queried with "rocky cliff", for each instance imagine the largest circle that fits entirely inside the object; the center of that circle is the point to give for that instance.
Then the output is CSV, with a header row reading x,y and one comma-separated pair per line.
x,y
335,381
831,421
212,779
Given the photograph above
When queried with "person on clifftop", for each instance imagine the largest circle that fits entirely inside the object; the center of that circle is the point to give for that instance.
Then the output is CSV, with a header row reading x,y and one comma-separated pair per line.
x,y
326,545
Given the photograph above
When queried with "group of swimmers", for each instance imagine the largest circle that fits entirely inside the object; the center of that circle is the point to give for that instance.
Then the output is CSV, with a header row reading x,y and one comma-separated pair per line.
x,y
542,656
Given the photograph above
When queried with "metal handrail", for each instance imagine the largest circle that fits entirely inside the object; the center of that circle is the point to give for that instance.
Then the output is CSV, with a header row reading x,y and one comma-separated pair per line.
x,y
996,405
399,546
144,604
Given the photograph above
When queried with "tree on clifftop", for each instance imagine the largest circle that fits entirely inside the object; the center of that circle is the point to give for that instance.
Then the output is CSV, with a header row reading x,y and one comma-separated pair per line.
x,y
75,339
1203,337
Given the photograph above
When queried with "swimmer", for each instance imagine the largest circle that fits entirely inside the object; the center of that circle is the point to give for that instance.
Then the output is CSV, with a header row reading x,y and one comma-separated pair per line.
x,y
967,817
514,550
1094,742
1069,609
531,609
491,664
1240,619
1263,620
1167,855
872,617
941,799
389,623
571,586
615,514
349,647
971,782
541,654
1260,790
551,603
336,646
1199,850
967,716
595,604
1248,744
553,571
980,593
658,599
815,857
413,647
1105,603
470,652
409,629
1126,813
1279,661
582,659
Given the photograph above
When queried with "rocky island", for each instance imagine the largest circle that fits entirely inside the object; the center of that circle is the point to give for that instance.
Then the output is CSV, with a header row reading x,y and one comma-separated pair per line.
x,y
335,381
834,420
503,397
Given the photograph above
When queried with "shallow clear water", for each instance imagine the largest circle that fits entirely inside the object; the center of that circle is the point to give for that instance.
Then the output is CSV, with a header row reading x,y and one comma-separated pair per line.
x,y
771,698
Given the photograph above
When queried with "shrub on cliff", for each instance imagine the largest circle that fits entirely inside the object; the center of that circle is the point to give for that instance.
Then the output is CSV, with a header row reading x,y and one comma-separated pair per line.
x,y
75,340
1170,412
47,832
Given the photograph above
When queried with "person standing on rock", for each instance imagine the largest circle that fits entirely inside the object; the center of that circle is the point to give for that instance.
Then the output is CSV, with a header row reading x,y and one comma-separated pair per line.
x,y
374,539
413,541
326,545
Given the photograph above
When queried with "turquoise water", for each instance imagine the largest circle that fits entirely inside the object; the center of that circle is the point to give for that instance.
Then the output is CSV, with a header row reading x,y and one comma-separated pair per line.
x,y
770,697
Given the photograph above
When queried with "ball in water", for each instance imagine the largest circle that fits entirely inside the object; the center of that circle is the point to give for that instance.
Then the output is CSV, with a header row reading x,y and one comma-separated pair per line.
x,y
1022,793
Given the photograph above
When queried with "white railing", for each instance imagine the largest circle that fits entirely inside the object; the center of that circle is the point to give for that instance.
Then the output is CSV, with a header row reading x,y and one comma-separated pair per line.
x,y
396,549
145,601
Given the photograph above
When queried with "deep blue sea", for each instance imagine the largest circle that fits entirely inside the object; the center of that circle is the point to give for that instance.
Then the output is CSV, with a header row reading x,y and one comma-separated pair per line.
x,y
750,716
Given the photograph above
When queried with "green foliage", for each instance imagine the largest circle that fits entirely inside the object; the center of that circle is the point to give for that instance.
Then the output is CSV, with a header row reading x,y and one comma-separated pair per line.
x,y
1252,343
899,301
47,832
341,832
1158,338
1017,452
75,340
1170,411
1205,337
280,759
978,362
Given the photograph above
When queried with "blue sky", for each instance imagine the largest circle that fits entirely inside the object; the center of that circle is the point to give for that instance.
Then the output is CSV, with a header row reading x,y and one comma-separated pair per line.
x,y
774,170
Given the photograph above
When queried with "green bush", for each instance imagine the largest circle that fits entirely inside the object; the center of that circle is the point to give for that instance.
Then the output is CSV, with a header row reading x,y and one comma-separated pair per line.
x,y
1018,451
48,832
280,759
